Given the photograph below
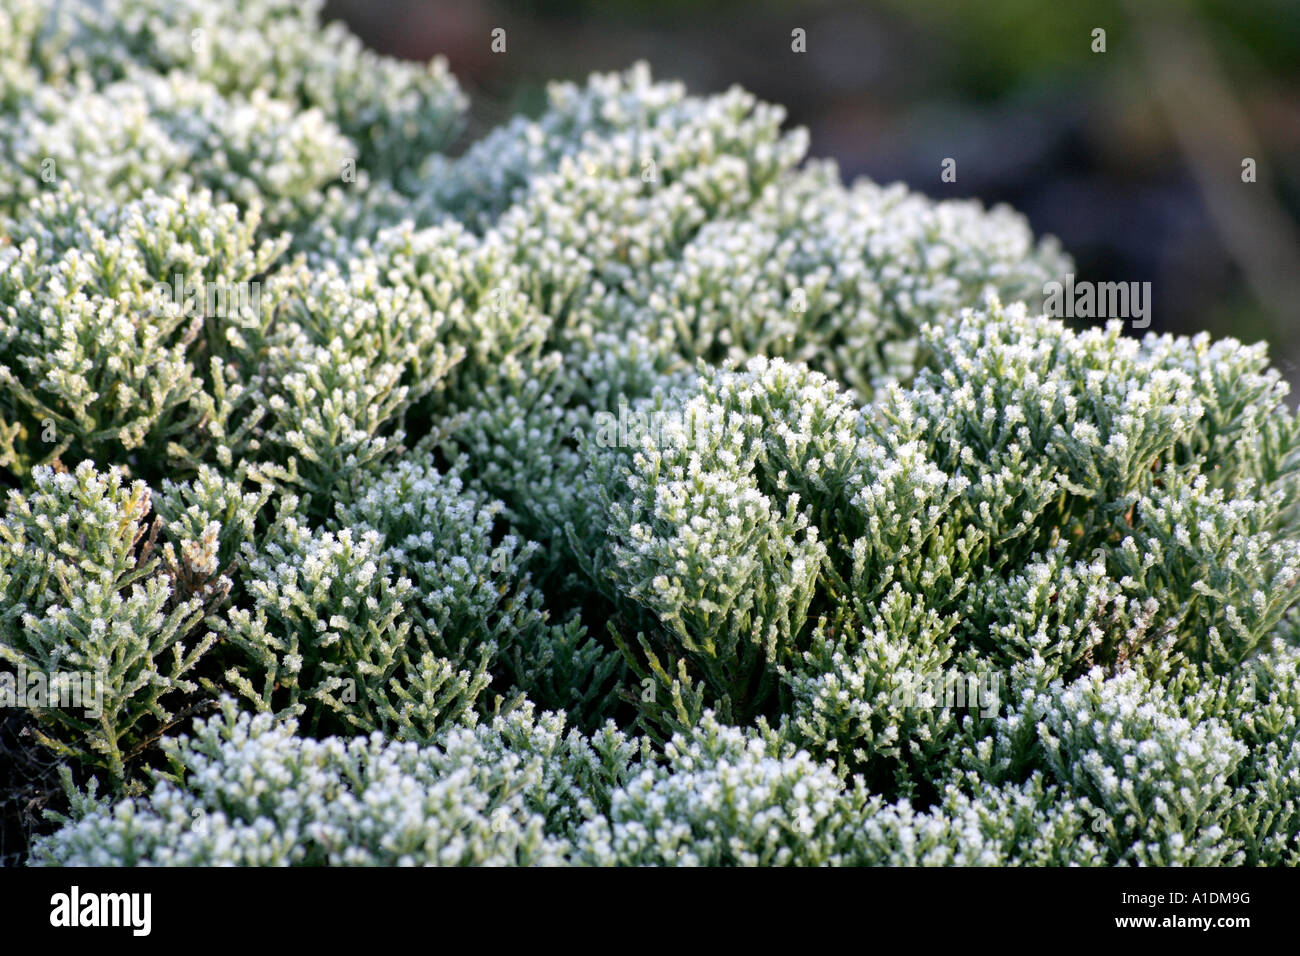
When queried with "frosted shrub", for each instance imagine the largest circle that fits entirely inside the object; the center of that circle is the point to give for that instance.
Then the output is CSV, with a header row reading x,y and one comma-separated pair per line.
x,y
80,596
474,600
105,353
172,131
1152,773
255,101
620,489
724,796
395,112
358,802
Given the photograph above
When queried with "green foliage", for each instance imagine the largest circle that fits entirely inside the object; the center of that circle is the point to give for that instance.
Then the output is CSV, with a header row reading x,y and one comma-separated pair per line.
x,y
255,101
358,802
112,345
622,491
83,599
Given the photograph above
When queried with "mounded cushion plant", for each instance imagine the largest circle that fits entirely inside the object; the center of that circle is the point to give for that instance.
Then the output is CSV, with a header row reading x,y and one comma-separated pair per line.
x,y
615,490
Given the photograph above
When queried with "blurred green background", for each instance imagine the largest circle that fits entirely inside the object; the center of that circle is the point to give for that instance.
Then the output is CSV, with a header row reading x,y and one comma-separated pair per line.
x,y
1132,157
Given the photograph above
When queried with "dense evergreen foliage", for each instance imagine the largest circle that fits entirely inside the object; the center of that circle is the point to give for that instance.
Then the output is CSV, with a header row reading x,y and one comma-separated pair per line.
x,y
624,489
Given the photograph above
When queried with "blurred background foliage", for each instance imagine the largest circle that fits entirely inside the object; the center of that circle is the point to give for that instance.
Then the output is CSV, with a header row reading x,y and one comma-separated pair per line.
x,y
1132,157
